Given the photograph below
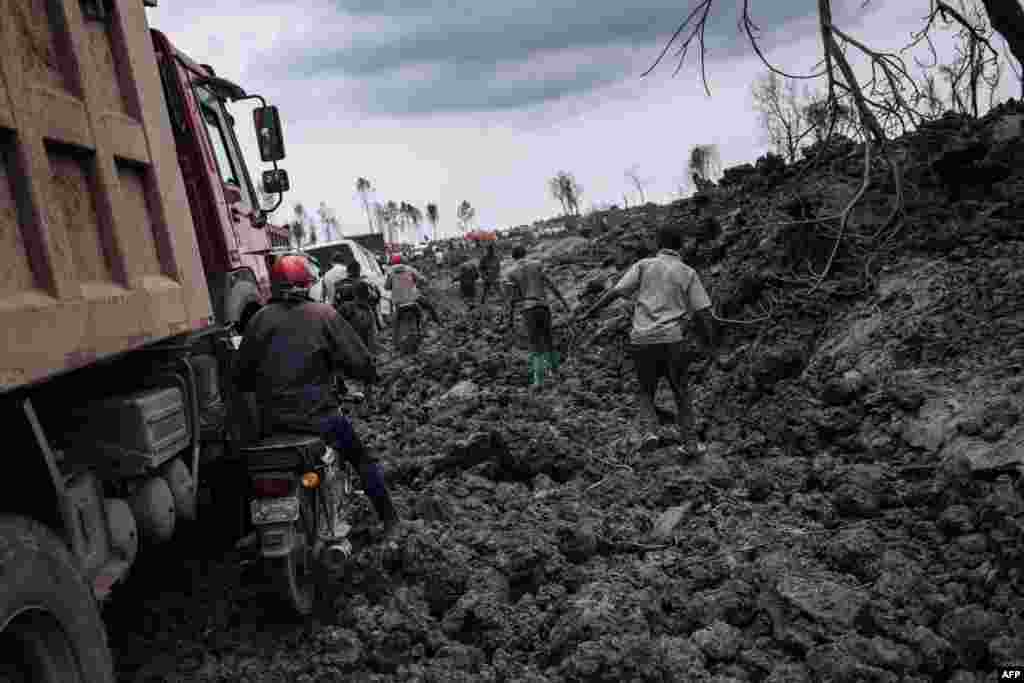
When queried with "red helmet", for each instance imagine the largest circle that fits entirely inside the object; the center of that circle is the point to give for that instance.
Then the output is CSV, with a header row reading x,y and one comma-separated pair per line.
x,y
396,259
291,274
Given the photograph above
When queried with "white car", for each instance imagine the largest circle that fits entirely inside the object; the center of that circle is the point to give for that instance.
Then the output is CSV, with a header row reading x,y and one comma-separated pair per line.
x,y
323,253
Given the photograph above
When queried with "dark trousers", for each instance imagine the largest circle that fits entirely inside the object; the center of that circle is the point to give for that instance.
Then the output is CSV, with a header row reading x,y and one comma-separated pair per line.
x,y
653,362
489,284
363,320
429,308
537,320
337,432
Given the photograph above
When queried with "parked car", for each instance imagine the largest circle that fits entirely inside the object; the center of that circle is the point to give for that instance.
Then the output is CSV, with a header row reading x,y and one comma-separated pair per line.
x,y
323,255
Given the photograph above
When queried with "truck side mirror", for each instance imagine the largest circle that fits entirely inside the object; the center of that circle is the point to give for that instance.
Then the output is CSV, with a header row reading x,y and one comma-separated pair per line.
x,y
268,133
275,181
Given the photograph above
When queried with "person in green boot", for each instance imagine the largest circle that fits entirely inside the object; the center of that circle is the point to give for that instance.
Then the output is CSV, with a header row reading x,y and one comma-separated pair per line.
x,y
529,288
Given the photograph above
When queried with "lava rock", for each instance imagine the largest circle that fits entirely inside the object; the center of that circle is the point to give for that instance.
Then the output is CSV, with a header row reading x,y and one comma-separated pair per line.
x,y
832,662
935,651
719,641
760,487
823,599
970,630
853,548
789,672
581,542
860,492
841,390
1007,650
668,521
957,519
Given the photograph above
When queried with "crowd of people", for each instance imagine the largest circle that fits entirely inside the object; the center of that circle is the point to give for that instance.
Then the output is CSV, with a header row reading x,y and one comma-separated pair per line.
x,y
294,348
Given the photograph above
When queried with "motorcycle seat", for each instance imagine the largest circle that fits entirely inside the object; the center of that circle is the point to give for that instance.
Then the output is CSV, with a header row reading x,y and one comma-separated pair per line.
x,y
283,450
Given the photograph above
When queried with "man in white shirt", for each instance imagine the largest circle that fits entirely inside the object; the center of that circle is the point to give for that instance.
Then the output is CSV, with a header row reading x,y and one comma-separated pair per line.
x,y
332,277
666,290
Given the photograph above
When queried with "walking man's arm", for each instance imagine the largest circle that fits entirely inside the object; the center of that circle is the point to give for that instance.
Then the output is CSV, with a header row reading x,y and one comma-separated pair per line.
x,y
625,287
699,303
554,289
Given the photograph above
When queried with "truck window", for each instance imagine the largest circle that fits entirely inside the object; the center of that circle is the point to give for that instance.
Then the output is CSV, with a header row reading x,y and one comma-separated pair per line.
x,y
217,138
248,189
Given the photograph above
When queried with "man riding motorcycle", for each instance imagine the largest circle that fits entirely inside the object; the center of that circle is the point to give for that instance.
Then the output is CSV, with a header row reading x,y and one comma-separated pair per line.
x,y
404,283
290,351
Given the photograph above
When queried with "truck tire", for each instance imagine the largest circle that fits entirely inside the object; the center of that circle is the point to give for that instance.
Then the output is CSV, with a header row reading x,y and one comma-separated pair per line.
x,y
50,626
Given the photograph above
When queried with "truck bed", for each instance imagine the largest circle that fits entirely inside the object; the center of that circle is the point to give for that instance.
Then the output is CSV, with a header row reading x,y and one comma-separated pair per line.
x,y
97,245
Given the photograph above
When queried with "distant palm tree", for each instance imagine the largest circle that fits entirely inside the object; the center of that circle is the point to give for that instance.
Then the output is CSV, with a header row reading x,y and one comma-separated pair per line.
x,y
364,188
466,213
299,226
410,217
415,219
329,221
432,216
393,214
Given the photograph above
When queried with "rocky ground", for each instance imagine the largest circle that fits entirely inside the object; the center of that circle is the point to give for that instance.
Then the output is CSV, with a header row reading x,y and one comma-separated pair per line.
x,y
858,514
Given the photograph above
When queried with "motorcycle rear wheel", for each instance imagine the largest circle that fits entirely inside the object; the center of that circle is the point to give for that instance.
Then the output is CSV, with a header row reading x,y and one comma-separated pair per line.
x,y
295,574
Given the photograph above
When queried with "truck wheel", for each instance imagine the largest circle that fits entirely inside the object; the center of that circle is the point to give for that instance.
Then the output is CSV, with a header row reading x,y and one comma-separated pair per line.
x,y
50,626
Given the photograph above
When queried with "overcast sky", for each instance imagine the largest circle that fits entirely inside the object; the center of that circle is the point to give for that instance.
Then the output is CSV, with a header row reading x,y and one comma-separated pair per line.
x,y
484,100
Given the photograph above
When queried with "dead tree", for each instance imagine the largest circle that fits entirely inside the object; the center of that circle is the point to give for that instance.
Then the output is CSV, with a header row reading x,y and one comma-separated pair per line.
x,y
885,102
639,183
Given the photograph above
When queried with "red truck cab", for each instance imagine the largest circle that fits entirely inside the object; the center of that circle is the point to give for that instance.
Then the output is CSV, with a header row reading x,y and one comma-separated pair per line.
x,y
230,227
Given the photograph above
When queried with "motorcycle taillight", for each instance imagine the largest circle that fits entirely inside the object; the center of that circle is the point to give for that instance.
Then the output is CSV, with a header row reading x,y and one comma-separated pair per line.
x,y
271,487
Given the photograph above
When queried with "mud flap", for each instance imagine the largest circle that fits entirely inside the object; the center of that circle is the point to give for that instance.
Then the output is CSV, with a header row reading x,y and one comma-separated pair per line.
x,y
277,540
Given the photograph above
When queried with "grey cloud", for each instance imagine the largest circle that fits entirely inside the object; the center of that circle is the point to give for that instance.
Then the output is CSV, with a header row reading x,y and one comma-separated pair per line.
x,y
393,97
469,40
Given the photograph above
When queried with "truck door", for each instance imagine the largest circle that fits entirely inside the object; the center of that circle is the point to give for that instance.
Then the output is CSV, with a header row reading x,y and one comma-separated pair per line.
x,y
236,209
234,177
226,174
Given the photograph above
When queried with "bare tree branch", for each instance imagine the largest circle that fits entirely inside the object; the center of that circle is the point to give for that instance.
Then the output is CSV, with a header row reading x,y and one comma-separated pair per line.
x,y
639,183
752,29
946,11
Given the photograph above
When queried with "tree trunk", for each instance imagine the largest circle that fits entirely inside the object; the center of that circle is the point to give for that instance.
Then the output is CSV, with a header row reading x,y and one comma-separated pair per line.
x,y
369,216
1007,17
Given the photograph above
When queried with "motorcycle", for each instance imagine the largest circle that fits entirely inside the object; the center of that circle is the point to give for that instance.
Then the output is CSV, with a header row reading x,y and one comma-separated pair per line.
x,y
299,487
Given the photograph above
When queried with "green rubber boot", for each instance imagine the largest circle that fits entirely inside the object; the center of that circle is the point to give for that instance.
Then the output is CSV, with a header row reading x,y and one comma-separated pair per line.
x,y
538,365
554,359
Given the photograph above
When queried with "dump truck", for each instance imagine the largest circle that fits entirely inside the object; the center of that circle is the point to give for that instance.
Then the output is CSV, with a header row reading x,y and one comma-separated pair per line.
x,y
129,228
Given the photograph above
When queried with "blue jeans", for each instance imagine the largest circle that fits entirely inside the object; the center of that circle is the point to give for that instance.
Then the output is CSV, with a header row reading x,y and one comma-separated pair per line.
x,y
337,432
